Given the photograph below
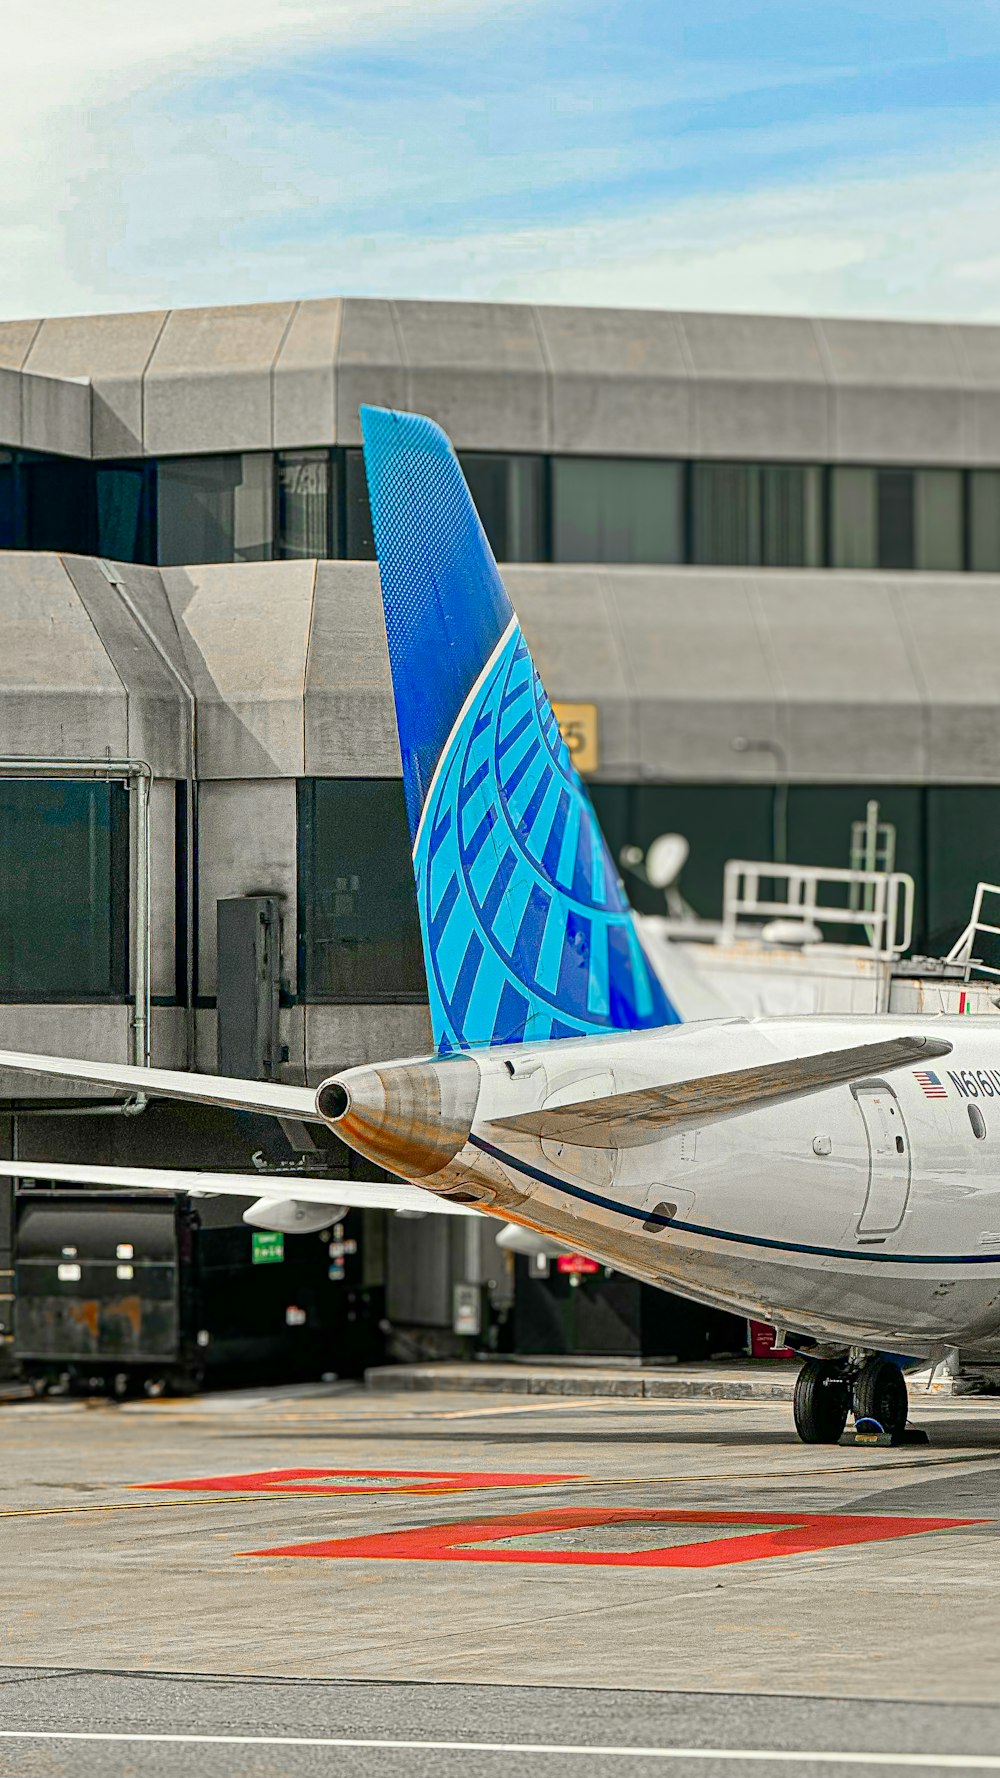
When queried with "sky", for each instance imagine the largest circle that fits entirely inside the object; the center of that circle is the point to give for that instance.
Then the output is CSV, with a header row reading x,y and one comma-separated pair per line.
x,y
787,156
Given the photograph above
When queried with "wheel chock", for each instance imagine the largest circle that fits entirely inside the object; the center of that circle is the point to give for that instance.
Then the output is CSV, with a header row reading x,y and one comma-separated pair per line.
x,y
870,1433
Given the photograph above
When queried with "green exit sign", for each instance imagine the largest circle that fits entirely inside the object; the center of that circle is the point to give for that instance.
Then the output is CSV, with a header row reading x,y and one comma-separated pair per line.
x,y
267,1247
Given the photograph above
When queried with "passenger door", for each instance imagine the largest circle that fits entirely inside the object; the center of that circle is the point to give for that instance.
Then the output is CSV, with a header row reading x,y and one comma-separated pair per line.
x,y
889,1161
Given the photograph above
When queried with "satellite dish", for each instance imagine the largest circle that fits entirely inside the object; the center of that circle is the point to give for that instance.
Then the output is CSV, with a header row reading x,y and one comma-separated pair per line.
x,y
665,860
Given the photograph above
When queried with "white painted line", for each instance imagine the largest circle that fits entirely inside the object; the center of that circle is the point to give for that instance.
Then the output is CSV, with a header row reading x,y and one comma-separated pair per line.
x,y
955,1762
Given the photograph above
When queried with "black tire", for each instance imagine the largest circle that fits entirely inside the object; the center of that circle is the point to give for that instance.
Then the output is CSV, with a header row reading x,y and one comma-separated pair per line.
x,y
880,1394
821,1403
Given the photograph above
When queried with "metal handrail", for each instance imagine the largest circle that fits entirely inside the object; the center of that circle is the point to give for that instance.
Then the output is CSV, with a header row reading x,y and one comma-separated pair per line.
x,y
961,950
887,921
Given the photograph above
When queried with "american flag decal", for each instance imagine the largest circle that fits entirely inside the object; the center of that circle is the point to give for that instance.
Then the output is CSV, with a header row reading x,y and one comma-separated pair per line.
x,y
929,1084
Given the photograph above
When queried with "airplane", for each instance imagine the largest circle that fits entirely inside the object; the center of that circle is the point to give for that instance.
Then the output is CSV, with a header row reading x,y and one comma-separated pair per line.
x,y
828,1175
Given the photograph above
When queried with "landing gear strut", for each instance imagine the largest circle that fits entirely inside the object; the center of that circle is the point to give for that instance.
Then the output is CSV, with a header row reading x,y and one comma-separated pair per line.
x,y
826,1392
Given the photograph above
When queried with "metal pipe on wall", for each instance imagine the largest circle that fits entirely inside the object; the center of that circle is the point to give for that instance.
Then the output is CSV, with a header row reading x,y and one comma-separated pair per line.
x,y
113,578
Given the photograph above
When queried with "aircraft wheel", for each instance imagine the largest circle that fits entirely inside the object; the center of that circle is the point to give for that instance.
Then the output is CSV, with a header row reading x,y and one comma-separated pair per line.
x,y
821,1403
880,1394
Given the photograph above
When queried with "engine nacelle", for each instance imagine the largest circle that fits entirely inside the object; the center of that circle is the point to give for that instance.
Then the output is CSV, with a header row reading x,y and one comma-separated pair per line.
x,y
293,1216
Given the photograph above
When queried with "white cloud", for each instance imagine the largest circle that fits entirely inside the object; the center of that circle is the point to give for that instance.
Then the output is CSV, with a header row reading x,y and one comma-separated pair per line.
x,y
921,244
121,192
70,68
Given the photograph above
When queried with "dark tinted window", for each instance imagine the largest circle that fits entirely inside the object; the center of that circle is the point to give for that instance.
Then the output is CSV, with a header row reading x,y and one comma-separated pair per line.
x,y
719,821
123,495
608,509
895,518
10,537
64,852
359,936
509,496
358,539
984,520
58,497
750,514
215,509
963,846
304,504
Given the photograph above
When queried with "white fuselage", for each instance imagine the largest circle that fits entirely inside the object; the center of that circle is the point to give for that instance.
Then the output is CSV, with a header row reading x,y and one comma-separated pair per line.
x,y
866,1214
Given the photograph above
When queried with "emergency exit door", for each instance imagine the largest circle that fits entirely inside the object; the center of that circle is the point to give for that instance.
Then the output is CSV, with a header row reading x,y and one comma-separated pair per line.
x,y
888,1160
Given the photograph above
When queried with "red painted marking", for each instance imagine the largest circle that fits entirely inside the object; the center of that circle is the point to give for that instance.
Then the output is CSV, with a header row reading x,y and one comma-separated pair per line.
x,y
793,1534
358,1481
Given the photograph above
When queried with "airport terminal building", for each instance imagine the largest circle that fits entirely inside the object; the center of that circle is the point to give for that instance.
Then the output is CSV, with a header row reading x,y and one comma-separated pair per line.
x,y
765,552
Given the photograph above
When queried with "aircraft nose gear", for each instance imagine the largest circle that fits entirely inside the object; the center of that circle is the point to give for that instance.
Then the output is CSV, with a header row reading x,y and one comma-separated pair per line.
x,y
821,1402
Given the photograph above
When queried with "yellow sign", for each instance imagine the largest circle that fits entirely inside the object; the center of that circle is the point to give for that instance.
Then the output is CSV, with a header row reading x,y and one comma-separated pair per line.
x,y
578,727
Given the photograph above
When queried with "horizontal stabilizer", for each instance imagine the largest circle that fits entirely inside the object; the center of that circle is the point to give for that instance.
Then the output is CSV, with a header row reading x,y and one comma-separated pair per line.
x,y
629,1120
352,1194
174,1083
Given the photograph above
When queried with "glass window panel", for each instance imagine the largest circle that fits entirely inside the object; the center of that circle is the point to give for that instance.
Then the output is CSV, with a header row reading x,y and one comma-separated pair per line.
x,y
853,527
64,852
938,519
359,936
59,504
984,521
215,509
359,541
10,537
507,491
963,845
303,504
725,513
122,494
791,515
608,509
896,488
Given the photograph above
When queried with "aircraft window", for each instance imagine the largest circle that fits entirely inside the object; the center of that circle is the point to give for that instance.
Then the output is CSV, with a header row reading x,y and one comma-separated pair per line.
x,y
900,1145
977,1121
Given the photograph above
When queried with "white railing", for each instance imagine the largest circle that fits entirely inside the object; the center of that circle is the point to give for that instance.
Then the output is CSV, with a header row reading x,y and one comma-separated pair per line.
x,y
885,913
961,950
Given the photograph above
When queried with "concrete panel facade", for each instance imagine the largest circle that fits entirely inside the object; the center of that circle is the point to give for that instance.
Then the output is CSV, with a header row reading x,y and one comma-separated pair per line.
x,y
55,415
246,846
350,719
479,370
208,385
113,351
60,696
245,636
304,400
507,377
621,382
157,713
369,364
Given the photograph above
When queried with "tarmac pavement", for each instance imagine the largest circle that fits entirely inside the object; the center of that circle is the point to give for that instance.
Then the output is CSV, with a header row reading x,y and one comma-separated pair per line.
x,y
626,1575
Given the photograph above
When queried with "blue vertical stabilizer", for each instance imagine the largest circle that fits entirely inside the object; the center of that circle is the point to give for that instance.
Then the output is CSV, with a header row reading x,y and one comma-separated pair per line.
x,y
527,931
